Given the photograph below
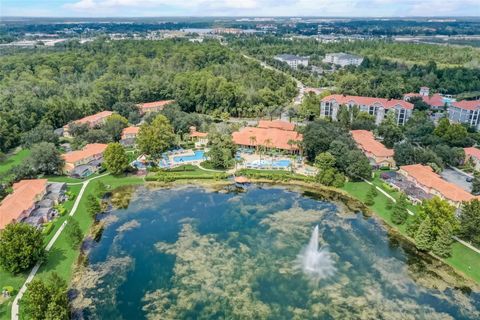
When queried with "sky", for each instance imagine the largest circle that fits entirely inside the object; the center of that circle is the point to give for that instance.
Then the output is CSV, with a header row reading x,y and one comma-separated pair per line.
x,y
158,8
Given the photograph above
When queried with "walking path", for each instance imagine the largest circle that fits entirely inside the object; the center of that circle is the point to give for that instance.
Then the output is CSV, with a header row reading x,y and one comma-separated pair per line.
x,y
466,244
21,292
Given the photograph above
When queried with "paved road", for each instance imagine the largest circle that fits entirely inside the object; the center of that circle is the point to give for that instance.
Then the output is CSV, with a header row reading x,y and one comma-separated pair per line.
x,y
33,272
457,178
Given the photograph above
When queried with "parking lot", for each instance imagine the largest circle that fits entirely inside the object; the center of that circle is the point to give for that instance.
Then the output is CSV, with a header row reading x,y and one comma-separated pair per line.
x,y
457,178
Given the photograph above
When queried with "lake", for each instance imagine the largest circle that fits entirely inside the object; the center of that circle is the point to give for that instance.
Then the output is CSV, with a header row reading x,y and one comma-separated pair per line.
x,y
267,253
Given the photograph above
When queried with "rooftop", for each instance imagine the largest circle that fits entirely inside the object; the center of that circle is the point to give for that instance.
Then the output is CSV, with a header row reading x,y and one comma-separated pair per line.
x,y
276,124
130,130
269,137
290,57
343,55
436,100
367,141
94,117
88,151
467,105
368,101
472,152
155,104
25,192
428,178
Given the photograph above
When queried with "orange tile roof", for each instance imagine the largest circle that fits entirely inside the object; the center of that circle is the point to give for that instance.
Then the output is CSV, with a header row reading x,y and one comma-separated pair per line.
x,y
23,198
155,104
467,105
425,176
198,134
94,117
276,124
130,130
368,143
88,151
472,152
367,101
435,100
277,138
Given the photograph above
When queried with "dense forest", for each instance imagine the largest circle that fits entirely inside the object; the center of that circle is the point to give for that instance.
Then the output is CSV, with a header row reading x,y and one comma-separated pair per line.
x,y
389,70
60,85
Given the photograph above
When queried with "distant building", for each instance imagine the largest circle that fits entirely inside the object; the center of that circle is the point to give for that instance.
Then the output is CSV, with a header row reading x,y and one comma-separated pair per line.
x,y
424,178
378,107
82,163
473,154
343,59
31,201
92,121
277,134
467,112
129,136
154,106
376,152
292,60
435,101
200,138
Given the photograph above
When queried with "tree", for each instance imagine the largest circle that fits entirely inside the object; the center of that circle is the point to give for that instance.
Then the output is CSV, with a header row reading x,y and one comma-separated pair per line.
x,y
325,160
390,131
424,237
46,299
363,121
443,245
21,246
358,165
114,126
93,206
155,138
469,220
46,159
115,159
127,110
344,116
74,232
440,213
371,194
419,104
476,183
41,133
400,213
222,150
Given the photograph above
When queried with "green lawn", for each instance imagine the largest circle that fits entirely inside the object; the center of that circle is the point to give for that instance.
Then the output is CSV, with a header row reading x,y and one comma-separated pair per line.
x,y
17,281
13,160
463,258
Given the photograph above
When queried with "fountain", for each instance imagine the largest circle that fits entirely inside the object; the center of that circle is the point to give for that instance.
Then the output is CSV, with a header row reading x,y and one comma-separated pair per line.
x,y
314,262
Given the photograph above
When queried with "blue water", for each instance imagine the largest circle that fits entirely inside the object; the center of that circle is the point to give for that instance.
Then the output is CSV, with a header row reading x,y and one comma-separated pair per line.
x,y
268,163
199,155
195,254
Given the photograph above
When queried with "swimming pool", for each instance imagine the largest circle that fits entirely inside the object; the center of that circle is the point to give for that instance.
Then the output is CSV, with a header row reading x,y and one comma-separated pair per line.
x,y
268,163
199,155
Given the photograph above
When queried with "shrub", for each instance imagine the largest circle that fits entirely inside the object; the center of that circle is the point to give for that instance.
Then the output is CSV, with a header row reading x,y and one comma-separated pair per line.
x,y
47,228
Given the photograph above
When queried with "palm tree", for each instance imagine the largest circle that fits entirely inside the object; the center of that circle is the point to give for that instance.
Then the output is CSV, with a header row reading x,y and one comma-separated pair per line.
x,y
268,144
253,141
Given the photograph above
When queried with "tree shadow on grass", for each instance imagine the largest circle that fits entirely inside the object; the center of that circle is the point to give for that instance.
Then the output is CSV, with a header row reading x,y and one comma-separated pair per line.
x,y
54,257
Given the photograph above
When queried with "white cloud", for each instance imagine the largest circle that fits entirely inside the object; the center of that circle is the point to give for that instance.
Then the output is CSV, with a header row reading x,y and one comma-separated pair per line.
x,y
278,7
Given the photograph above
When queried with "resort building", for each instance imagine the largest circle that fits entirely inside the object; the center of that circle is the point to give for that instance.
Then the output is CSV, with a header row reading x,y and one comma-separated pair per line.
x,y
473,154
92,121
82,163
464,111
378,107
154,106
129,136
343,59
435,101
424,178
31,201
200,138
279,135
376,152
292,60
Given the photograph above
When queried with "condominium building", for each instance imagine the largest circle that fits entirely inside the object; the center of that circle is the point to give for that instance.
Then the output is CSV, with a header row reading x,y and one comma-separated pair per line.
x,y
129,136
154,106
92,121
343,59
378,107
435,101
82,163
467,112
292,60
375,151
473,154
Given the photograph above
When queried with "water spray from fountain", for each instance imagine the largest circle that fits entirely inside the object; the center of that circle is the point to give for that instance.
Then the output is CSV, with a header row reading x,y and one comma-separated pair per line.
x,y
314,262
